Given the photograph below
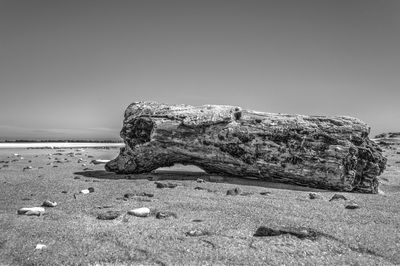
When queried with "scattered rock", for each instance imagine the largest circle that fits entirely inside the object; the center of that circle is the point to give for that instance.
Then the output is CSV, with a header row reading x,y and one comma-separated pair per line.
x,y
165,185
234,191
352,205
80,160
36,211
140,212
27,168
48,203
265,193
246,194
300,232
87,169
338,197
313,195
108,215
40,246
166,214
77,177
199,180
198,232
197,220
64,191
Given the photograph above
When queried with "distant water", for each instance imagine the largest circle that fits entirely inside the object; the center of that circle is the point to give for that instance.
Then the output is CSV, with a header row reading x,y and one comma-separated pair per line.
x,y
57,145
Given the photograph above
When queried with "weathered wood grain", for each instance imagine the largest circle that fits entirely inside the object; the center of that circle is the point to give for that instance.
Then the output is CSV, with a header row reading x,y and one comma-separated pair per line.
x,y
316,151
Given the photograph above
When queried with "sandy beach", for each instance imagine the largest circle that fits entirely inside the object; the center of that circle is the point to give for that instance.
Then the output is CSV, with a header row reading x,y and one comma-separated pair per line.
x,y
208,227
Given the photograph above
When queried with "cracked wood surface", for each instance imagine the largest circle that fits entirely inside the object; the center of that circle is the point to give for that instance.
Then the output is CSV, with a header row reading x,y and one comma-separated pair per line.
x,y
315,151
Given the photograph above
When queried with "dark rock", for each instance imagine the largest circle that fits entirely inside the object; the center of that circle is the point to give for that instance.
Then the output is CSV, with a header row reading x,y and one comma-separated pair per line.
x,y
338,197
165,185
141,194
108,215
129,195
352,205
234,191
166,214
77,177
299,232
64,191
91,189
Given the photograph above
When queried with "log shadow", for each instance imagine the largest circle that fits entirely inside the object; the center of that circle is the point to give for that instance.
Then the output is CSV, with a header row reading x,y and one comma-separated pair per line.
x,y
170,175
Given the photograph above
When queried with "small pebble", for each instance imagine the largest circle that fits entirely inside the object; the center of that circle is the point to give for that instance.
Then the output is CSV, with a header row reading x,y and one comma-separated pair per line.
x,y
352,205
99,161
48,203
313,195
265,193
108,215
40,246
234,191
140,212
199,180
27,168
197,232
166,214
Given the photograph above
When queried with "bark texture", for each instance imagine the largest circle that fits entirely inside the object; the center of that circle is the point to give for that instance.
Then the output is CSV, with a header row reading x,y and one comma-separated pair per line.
x,y
315,151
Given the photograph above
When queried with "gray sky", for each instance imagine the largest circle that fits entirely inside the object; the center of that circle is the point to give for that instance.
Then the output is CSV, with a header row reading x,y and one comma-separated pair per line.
x,y
68,69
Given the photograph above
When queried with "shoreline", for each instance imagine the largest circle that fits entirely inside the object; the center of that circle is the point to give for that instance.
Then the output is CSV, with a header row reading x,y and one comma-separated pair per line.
x,y
58,145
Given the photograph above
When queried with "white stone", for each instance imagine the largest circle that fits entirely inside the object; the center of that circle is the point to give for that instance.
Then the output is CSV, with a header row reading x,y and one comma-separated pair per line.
x,y
85,191
140,212
99,161
48,203
40,246
31,210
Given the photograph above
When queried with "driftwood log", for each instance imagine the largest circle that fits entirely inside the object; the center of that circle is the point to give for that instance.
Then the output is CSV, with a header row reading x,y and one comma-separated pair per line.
x,y
316,151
